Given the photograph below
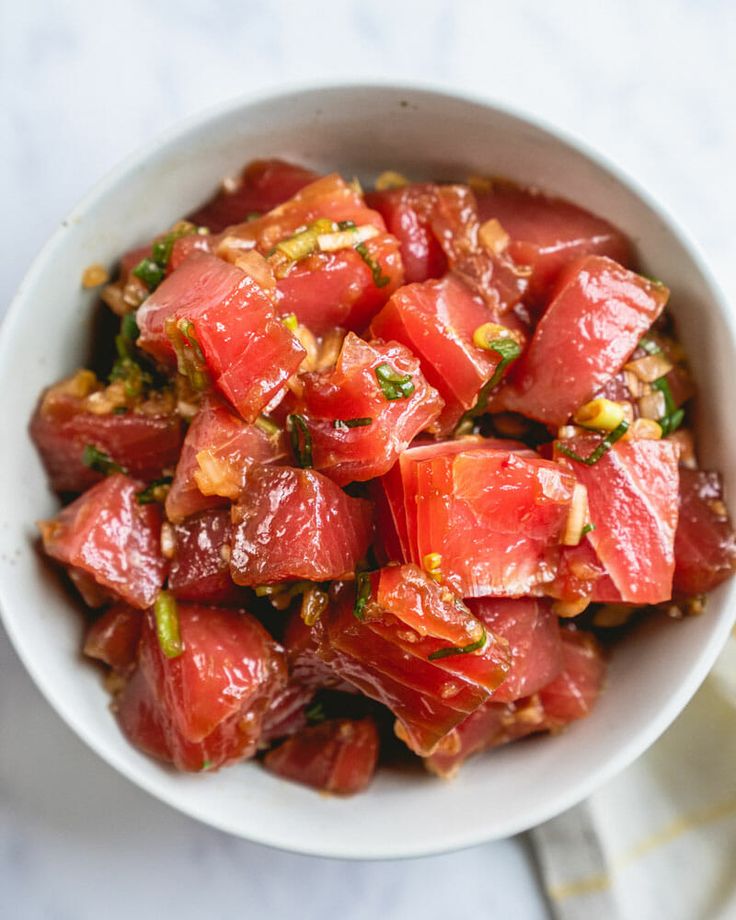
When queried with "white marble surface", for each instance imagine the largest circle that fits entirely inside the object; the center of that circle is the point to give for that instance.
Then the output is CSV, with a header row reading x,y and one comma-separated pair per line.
x,y
81,85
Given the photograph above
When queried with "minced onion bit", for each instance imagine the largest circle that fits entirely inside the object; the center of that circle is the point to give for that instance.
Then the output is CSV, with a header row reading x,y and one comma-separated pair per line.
x,y
577,516
644,429
652,405
168,540
493,237
651,367
167,625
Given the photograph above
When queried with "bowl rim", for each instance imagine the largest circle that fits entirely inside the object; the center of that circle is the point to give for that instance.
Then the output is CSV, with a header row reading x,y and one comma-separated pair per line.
x,y
640,740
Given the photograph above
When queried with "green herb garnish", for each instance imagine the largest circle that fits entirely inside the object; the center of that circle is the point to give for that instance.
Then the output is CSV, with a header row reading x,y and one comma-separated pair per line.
x,y
301,440
150,273
587,529
379,279
155,492
509,350
189,355
459,649
207,765
167,624
362,593
394,385
152,270
343,424
315,713
99,461
603,446
673,417
129,328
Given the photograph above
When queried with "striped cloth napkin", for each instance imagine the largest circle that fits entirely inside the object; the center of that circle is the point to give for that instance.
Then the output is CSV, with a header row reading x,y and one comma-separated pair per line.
x,y
659,841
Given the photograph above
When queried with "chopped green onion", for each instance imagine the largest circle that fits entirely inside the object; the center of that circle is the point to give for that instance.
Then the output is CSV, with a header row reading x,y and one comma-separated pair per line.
x,y
152,270
587,529
603,446
362,593
298,246
509,350
394,385
379,279
167,624
301,440
132,374
662,384
99,461
315,713
266,425
207,765
155,492
345,224
671,423
344,423
126,367
290,321
673,417
150,273
189,356
129,328
459,649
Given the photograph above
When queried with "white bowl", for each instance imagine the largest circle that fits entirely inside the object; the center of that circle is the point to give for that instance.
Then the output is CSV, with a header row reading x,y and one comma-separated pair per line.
x,y
359,130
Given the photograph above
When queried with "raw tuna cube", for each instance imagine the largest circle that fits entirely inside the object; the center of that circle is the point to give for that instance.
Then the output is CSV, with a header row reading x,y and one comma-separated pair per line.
x,y
297,524
261,186
113,638
533,635
200,569
338,756
496,518
436,320
412,645
705,545
112,538
218,450
547,233
229,669
359,416
144,445
632,502
591,327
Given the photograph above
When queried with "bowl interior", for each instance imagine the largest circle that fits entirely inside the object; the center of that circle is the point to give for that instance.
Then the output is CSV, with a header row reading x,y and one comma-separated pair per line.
x,y
360,131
